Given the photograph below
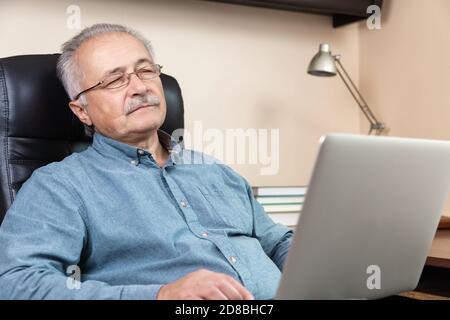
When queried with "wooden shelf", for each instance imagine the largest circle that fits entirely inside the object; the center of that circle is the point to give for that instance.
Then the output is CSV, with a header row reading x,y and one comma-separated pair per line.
x,y
444,223
342,11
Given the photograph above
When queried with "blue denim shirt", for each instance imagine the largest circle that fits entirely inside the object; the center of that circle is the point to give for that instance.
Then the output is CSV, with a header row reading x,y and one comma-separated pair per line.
x,y
132,226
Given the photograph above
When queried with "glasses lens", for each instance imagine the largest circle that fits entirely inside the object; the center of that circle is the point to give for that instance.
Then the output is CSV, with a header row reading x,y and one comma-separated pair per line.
x,y
149,72
115,81
120,80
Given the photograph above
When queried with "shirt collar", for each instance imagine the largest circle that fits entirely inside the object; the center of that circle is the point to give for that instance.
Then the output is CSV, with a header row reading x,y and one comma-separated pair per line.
x,y
107,146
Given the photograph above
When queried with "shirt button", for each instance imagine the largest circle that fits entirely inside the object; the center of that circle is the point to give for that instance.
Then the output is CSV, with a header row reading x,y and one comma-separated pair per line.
x,y
205,234
141,152
134,162
183,204
233,259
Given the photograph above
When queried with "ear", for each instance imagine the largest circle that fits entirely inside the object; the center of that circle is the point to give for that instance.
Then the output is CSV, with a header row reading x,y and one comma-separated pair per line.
x,y
80,111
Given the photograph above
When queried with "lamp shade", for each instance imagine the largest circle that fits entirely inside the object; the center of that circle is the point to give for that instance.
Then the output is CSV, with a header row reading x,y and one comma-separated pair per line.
x,y
323,63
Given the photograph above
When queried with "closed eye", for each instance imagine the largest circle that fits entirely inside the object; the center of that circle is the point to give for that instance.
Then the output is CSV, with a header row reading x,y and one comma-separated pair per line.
x,y
114,81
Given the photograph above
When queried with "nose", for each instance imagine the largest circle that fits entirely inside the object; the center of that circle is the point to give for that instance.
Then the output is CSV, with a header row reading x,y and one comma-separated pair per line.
x,y
136,85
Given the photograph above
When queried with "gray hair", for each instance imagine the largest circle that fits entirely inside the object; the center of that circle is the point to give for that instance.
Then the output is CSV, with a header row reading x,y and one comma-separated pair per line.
x,y
67,69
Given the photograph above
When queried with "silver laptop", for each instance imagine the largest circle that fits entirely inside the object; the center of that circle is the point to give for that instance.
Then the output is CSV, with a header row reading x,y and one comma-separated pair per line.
x,y
369,218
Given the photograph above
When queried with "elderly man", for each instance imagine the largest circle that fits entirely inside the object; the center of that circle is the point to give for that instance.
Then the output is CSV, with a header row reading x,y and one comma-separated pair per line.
x,y
133,213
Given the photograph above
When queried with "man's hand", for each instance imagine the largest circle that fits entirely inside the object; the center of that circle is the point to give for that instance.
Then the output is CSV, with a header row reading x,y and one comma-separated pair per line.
x,y
204,285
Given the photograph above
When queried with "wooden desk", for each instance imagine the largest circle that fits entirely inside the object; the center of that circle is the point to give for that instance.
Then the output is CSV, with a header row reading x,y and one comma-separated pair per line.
x,y
439,255
434,281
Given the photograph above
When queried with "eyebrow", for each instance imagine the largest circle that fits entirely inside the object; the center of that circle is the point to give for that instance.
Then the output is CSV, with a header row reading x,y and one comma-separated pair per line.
x,y
122,69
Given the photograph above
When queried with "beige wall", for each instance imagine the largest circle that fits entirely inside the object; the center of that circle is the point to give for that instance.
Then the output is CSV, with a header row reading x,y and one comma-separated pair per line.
x,y
243,67
239,67
405,69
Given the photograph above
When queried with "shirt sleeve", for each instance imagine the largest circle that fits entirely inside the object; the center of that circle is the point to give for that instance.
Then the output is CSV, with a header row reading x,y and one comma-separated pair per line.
x,y
43,234
275,238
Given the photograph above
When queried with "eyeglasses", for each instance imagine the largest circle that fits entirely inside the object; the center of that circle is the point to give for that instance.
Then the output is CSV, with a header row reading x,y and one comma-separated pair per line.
x,y
122,79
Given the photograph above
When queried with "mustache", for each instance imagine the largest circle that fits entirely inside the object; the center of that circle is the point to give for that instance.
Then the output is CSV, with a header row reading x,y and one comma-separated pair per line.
x,y
136,102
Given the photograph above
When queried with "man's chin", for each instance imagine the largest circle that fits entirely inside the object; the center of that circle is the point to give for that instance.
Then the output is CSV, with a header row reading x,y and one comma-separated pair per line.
x,y
145,126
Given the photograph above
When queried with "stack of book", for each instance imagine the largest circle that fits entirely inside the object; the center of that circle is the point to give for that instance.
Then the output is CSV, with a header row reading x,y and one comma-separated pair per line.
x,y
282,204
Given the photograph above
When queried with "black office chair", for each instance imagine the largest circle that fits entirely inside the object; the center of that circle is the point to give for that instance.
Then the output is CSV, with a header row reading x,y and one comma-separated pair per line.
x,y
36,125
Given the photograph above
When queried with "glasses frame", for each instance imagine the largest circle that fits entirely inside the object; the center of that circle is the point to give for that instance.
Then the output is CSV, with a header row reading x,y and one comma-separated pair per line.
x,y
128,75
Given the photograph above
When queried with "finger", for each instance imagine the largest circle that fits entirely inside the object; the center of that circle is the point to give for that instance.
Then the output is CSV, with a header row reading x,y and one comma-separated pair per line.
x,y
213,294
228,289
246,295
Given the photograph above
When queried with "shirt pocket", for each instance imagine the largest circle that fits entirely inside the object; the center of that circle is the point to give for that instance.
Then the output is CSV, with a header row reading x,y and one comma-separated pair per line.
x,y
226,208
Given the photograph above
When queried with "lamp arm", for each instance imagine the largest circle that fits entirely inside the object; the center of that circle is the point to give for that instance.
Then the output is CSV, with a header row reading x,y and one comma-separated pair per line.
x,y
374,123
